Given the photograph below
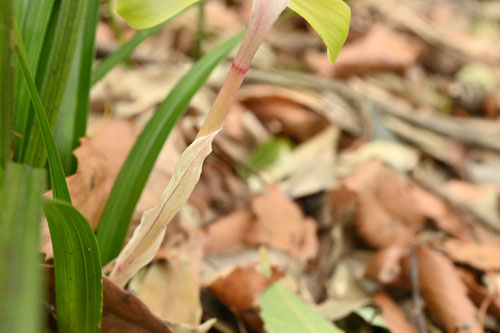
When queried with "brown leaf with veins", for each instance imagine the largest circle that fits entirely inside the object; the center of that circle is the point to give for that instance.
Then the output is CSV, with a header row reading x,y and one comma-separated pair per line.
x,y
386,213
281,224
444,292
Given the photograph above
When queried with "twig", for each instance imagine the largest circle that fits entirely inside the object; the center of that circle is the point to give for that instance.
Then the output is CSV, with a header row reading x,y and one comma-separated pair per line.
x,y
417,299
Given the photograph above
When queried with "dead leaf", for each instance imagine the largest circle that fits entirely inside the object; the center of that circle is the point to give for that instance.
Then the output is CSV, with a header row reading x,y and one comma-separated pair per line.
x,y
240,291
228,232
380,49
392,315
171,288
281,224
479,294
441,213
385,266
481,256
444,292
385,210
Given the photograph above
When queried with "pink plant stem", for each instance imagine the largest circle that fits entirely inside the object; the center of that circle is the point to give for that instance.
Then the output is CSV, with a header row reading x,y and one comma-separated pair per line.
x,y
264,14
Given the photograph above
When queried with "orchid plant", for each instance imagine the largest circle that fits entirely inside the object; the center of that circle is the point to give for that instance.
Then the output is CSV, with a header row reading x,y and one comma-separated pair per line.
x,y
330,18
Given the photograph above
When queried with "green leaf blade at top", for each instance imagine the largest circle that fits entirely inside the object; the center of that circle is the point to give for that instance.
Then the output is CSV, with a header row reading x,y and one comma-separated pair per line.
x,y
330,19
142,14
78,272
282,311
115,220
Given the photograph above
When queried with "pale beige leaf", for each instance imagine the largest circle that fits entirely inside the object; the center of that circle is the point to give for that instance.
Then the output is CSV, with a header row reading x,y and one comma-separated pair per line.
x,y
148,236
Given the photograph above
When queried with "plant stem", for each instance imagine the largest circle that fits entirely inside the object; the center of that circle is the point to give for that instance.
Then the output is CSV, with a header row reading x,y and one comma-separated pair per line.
x,y
264,14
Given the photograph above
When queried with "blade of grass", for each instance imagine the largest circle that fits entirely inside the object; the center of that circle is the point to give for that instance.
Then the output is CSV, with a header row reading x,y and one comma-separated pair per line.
x,y
32,18
123,52
57,179
20,275
77,265
54,68
72,120
130,182
6,80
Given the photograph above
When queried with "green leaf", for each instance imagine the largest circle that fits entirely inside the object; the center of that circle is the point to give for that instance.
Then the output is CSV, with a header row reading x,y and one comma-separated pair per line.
x,y
20,274
6,82
33,21
53,69
265,155
282,311
77,269
57,178
72,120
330,19
130,182
123,52
142,14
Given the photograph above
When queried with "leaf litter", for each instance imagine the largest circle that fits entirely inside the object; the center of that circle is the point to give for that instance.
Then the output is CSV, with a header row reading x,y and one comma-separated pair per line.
x,y
381,211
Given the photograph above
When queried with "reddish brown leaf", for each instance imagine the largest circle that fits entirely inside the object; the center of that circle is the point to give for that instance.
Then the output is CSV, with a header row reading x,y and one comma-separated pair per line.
x,y
444,292
228,232
393,316
281,224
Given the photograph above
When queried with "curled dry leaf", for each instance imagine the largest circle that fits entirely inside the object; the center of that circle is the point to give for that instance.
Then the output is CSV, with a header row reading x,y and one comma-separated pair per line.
x,y
385,209
392,315
481,256
480,295
149,234
280,224
240,291
444,292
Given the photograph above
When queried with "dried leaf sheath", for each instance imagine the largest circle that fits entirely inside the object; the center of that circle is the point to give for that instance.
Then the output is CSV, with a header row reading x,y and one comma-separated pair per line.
x,y
148,236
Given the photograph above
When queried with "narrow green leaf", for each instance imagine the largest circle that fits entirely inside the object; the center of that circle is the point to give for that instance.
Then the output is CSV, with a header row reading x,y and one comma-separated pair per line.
x,y
6,82
123,52
32,17
57,178
20,275
77,269
283,311
54,68
72,120
130,182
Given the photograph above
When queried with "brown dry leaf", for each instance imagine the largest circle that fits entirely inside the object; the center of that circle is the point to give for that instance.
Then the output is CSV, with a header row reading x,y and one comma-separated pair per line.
x,y
479,294
444,292
393,316
123,312
385,209
100,158
441,213
280,224
481,256
287,117
228,232
380,49
240,291
385,266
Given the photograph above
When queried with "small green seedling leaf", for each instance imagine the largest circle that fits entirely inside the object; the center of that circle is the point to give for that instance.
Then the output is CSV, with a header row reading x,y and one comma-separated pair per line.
x,y
282,311
20,274
265,155
77,269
